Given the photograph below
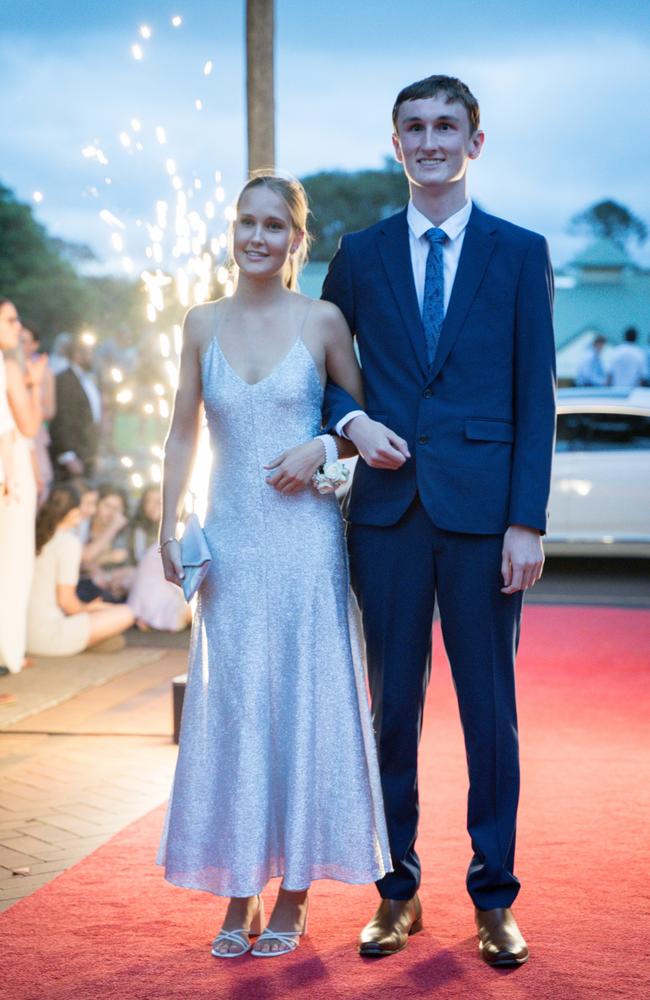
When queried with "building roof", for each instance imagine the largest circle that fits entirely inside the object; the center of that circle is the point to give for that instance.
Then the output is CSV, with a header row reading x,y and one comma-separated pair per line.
x,y
602,253
603,290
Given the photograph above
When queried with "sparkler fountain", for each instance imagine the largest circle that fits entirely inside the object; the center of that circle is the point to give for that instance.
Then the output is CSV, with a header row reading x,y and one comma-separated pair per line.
x,y
184,243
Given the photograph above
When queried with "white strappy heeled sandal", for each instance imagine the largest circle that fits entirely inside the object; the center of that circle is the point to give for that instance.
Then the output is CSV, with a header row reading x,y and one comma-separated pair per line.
x,y
289,941
241,936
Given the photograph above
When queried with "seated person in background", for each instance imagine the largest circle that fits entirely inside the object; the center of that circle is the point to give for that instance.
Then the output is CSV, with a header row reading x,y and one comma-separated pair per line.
x,y
155,602
105,561
88,506
144,526
58,623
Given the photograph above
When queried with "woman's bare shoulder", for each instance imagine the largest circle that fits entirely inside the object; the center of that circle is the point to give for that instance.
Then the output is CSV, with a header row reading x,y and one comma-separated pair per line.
x,y
329,319
199,324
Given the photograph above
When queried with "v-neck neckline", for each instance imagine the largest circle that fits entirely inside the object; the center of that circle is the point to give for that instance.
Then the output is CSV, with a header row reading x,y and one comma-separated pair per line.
x,y
265,378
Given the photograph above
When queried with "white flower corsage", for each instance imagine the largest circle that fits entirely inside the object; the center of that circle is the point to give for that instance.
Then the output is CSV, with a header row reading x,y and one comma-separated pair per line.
x,y
330,476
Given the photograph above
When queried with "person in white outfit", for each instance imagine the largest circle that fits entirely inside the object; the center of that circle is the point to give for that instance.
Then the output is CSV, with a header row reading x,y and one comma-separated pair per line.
x,y
30,343
21,406
628,364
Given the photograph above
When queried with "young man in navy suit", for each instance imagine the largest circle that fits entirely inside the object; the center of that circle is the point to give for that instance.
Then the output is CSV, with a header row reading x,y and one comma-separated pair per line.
x,y
452,311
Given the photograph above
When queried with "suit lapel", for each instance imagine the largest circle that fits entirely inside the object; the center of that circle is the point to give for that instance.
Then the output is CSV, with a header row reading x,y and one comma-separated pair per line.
x,y
474,257
395,252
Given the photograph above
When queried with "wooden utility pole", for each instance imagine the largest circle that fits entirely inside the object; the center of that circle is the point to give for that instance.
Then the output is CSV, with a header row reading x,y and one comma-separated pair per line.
x,y
260,92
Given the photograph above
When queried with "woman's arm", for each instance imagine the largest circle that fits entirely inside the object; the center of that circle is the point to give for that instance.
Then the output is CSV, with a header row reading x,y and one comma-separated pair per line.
x,y
24,395
48,394
342,365
68,560
182,439
292,470
66,598
70,604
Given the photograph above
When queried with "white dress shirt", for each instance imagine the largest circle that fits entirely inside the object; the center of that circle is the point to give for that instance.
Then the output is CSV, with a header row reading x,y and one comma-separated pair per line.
x,y
627,365
591,370
454,227
418,224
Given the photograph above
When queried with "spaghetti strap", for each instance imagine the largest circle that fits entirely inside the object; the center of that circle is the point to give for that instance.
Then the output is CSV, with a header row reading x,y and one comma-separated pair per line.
x,y
304,319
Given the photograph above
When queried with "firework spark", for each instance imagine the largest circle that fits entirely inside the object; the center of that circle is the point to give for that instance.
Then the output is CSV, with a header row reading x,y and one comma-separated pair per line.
x,y
186,254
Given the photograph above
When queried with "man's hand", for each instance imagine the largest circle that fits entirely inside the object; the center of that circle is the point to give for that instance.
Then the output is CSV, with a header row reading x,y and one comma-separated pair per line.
x,y
378,446
522,560
293,469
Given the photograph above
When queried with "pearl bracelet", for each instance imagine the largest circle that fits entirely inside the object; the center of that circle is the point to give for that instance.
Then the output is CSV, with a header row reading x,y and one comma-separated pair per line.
x,y
166,542
331,449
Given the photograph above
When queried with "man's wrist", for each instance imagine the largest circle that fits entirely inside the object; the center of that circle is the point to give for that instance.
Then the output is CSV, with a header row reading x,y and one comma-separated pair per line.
x,y
355,422
341,426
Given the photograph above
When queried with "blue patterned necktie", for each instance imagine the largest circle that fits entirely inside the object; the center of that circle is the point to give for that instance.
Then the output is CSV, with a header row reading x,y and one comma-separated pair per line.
x,y
433,305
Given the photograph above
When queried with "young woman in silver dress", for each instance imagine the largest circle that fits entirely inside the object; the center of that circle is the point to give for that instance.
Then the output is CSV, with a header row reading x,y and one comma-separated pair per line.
x,y
277,773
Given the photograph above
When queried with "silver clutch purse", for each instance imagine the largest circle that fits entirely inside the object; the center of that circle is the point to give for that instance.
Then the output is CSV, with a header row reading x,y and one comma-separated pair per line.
x,y
195,556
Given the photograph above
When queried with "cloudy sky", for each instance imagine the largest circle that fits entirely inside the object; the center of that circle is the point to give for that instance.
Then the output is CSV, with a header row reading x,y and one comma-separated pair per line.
x,y
564,87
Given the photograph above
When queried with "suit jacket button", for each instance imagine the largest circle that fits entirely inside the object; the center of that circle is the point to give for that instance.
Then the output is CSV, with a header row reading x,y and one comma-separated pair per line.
x,y
423,439
428,393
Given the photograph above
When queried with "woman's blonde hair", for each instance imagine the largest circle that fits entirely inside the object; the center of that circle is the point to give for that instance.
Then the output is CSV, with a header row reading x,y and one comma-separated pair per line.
x,y
295,198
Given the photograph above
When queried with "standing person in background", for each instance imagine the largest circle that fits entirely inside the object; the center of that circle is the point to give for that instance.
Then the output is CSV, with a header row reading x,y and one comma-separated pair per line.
x,y
74,431
591,371
6,464
6,437
628,363
30,343
60,354
19,508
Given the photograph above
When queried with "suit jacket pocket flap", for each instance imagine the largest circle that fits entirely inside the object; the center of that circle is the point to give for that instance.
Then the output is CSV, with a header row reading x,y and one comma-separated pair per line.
x,y
480,429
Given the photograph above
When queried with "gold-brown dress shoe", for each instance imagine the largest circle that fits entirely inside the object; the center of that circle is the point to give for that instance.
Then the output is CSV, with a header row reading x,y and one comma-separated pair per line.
x,y
389,929
500,942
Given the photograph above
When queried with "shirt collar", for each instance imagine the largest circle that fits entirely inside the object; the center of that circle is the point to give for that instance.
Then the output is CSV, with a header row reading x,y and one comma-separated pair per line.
x,y
453,226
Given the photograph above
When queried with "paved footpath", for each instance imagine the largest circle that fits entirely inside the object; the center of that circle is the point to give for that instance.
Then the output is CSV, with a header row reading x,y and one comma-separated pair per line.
x,y
74,774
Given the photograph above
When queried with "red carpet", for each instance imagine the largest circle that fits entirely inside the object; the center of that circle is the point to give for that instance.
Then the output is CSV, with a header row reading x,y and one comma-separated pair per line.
x,y
112,928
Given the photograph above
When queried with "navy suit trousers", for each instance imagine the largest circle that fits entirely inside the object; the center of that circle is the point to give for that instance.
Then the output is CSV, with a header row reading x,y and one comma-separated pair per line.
x,y
398,572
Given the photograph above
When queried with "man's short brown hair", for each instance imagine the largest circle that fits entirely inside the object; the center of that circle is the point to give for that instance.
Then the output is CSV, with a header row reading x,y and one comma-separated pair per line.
x,y
451,87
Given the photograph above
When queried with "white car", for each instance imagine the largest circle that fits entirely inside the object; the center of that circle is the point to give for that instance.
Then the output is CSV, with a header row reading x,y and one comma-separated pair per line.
x,y
600,491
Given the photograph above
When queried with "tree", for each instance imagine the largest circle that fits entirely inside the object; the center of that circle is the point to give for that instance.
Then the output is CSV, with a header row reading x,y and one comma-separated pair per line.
x,y
610,220
343,202
37,274
33,273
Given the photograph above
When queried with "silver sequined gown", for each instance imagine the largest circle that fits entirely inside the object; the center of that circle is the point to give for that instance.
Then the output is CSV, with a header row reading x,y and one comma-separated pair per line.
x,y
277,772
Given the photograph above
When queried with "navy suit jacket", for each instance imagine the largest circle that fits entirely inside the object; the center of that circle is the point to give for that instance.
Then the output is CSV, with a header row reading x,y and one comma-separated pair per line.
x,y
480,425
